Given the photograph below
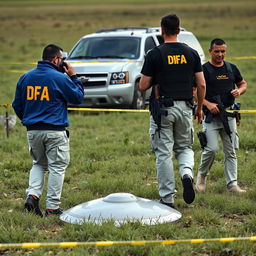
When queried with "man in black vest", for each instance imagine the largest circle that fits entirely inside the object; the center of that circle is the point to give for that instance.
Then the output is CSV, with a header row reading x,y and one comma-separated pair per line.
x,y
174,67
224,83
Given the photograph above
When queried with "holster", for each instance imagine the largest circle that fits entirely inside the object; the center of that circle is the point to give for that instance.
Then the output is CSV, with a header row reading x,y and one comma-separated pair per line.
x,y
236,106
202,139
192,105
157,112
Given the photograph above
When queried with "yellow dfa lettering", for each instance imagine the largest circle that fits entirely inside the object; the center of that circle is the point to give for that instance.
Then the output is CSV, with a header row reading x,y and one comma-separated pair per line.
x,y
45,94
170,59
221,77
30,90
183,59
37,93
176,59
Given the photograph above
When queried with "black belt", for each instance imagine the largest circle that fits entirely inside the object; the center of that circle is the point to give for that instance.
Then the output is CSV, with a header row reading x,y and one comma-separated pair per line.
x,y
169,102
42,126
166,102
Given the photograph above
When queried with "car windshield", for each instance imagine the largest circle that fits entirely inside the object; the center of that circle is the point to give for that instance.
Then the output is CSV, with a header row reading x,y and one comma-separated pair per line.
x,y
106,47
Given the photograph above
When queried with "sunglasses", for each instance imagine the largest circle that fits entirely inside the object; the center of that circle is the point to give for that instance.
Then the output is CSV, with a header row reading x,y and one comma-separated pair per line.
x,y
218,51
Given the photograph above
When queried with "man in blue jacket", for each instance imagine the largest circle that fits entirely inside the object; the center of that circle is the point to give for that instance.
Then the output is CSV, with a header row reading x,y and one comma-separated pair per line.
x,y
40,103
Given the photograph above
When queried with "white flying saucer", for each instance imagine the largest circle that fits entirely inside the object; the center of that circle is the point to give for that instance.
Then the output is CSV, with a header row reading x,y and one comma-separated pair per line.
x,y
121,208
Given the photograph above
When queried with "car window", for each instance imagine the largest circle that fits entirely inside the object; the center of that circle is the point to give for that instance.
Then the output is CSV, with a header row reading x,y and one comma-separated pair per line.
x,y
160,39
107,47
149,44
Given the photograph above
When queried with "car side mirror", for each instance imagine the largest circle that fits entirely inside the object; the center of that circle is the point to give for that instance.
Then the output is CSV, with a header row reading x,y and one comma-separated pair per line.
x,y
65,55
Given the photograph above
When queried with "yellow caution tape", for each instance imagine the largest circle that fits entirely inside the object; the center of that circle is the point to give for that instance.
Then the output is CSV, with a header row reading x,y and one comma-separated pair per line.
x,y
95,61
15,71
243,58
92,61
132,110
19,63
144,110
242,111
6,105
129,61
134,243
110,110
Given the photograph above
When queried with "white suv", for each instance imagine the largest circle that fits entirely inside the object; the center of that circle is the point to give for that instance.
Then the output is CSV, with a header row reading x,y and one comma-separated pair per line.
x,y
111,60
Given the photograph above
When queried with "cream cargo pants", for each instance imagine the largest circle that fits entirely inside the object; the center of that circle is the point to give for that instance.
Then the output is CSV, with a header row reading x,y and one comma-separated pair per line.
x,y
50,152
176,135
213,131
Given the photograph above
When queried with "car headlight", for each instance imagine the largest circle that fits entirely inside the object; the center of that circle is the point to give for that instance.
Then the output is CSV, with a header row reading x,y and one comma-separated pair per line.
x,y
119,78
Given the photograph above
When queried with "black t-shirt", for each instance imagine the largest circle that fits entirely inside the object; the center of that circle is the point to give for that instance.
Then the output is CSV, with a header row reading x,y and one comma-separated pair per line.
x,y
153,61
172,66
220,82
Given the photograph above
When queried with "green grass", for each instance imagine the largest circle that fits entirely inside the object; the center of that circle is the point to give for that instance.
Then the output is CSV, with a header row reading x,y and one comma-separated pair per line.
x,y
111,152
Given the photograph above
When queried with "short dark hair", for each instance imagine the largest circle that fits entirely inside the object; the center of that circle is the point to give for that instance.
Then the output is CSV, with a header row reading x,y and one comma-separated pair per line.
x,y
217,41
50,51
170,24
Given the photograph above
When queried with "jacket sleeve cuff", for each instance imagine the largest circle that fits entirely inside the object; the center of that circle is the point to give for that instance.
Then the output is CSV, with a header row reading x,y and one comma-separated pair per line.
x,y
73,77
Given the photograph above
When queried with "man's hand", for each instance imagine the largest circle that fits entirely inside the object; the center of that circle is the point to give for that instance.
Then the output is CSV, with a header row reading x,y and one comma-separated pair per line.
x,y
199,115
213,108
69,70
236,93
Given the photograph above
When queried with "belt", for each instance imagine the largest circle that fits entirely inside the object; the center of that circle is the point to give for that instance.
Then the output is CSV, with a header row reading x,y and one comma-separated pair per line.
x,y
42,126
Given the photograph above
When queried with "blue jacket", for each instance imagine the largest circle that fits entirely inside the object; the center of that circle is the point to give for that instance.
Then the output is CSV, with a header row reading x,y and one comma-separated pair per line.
x,y
42,95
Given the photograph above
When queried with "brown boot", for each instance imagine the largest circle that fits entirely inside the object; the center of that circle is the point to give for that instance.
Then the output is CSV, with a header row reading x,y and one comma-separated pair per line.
x,y
201,183
236,189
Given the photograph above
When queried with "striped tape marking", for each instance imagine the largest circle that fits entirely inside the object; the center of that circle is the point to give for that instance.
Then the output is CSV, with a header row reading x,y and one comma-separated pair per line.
x,y
243,111
243,58
144,110
15,71
75,62
110,110
134,243
130,61
132,110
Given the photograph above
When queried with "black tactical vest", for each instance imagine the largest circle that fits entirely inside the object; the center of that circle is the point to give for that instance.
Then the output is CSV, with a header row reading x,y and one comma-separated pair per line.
x,y
175,79
220,82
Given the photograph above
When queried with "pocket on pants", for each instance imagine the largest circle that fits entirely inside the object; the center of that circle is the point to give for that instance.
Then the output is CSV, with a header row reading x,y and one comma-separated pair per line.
x,y
236,141
31,153
153,139
63,154
192,136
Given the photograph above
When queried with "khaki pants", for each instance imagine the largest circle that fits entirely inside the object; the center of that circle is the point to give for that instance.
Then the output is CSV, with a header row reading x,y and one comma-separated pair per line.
x,y
49,151
213,131
176,135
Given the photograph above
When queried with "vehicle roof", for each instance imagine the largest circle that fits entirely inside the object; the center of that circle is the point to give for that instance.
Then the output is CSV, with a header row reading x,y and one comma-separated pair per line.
x,y
128,31
142,32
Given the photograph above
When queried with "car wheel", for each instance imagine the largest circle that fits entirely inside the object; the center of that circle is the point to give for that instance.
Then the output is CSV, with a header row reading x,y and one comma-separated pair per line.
x,y
138,98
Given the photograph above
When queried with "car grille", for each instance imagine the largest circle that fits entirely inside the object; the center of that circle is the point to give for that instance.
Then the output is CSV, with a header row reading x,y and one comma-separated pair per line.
x,y
95,80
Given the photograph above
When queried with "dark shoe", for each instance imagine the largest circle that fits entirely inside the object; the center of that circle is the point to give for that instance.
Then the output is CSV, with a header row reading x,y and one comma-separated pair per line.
x,y
53,212
32,205
168,204
188,190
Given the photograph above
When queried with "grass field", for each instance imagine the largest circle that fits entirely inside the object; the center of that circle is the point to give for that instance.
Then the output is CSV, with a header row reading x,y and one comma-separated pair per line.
x,y
110,152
